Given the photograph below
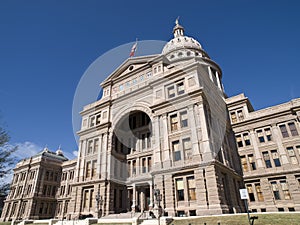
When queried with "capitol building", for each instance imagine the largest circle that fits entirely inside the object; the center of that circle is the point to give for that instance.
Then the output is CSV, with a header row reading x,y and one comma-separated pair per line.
x,y
165,139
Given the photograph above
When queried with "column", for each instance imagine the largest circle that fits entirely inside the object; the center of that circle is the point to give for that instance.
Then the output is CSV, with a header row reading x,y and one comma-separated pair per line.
x,y
99,150
277,138
204,145
104,167
157,150
151,195
194,136
218,80
133,198
256,149
166,147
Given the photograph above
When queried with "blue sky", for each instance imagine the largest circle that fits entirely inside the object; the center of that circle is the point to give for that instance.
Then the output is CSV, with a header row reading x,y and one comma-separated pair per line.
x,y
46,46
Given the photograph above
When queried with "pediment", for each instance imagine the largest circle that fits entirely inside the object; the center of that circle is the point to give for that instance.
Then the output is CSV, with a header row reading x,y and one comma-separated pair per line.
x,y
130,65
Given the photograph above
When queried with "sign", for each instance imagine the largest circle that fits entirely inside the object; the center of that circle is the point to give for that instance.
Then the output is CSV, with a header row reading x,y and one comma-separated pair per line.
x,y
244,193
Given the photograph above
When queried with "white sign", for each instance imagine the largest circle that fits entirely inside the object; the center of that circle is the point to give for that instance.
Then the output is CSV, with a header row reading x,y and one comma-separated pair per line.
x,y
244,194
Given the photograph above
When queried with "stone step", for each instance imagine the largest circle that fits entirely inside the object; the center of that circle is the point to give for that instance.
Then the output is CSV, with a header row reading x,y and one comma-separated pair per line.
x,y
150,222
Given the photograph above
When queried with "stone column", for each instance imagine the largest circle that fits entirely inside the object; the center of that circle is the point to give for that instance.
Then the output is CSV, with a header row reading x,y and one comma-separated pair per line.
x,y
133,198
256,149
151,195
157,151
278,139
194,136
165,141
204,145
99,150
104,167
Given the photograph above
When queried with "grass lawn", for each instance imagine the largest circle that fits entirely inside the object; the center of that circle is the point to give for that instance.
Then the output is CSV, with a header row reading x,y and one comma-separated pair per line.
x,y
263,219
5,223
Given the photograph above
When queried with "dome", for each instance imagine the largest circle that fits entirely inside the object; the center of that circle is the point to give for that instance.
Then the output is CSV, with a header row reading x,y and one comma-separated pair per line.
x,y
180,41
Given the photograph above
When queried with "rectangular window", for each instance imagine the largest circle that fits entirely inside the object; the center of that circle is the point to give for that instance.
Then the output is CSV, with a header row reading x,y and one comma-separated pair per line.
x,y
144,165
94,168
268,134
98,118
292,155
184,119
240,114
171,92
260,136
86,199
293,129
180,189
233,117
247,139
96,145
267,160
260,196
239,141
275,190
92,121
187,148
283,131
252,162
90,147
275,157
250,192
180,88
149,164
191,188
88,169
244,163
176,150
285,190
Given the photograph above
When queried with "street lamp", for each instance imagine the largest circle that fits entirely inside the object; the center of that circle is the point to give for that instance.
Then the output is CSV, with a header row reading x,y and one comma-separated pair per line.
x,y
99,201
158,199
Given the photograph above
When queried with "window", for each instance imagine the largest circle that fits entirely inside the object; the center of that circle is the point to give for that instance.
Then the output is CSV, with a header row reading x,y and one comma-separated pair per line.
x,y
149,164
259,193
98,118
177,89
233,117
94,168
86,199
275,157
239,141
88,169
252,162
268,134
191,188
292,155
96,145
180,88
174,122
144,165
240,115
187,148
244,163
171,92
243,140
260,136
176,150
246,139
180,189
250,192
275,190
184,119
285,190
90,147
293,129
267,160
283,131
92,121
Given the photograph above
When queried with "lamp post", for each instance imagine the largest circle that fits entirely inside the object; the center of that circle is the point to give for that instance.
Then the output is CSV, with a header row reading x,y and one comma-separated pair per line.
x,y
158,198
99,201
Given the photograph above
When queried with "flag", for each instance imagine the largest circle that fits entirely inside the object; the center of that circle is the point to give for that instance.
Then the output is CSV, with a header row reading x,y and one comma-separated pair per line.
x,y
133,49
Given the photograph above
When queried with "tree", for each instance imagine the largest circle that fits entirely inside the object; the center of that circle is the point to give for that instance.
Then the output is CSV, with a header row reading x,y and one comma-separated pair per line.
x,y
7,160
